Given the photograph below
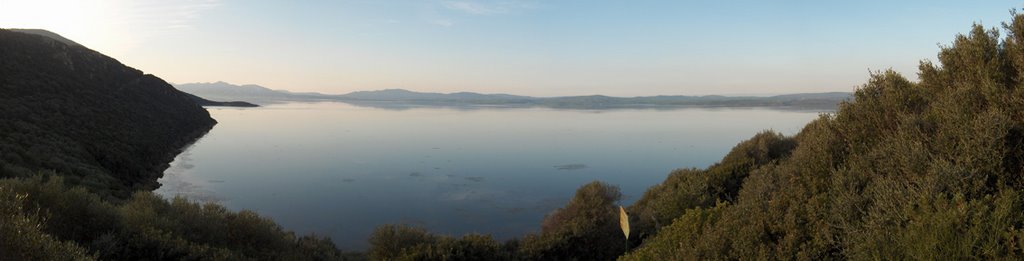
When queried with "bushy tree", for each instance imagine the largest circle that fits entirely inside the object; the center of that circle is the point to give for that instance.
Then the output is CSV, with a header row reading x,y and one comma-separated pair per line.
x,y
692,188
22,236
403,242
146,227
587,228
907,170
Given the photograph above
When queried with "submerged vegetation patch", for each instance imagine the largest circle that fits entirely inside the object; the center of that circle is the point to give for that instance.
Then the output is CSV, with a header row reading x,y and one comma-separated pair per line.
x,y
571,167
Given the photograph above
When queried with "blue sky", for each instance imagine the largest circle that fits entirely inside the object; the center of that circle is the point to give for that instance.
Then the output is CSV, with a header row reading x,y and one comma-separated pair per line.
x,y
543,48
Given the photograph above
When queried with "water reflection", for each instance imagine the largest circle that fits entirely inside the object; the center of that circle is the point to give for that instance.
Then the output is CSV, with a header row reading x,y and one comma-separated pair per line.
x,y
341,170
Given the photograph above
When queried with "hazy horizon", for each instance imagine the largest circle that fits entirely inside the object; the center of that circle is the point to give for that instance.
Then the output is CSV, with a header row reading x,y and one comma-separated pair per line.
x,y
528,48
766,94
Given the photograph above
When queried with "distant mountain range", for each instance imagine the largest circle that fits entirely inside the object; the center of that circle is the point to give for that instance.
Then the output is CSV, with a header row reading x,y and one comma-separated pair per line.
x,y
399,98
251,93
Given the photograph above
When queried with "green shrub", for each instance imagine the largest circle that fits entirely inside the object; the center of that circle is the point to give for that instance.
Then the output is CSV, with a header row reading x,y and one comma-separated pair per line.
x,y
691,188
926,170
22,236
402,242
587,228
148,227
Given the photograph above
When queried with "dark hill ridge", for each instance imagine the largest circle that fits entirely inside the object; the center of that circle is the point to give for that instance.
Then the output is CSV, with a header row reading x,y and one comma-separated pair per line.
x,y
82,114
205,102
83,119
47,34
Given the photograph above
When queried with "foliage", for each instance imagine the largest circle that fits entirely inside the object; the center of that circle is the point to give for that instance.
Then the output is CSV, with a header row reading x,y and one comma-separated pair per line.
x,y
691,188
906,170
587,228
685,231
147,227
108,130
22,236
925,170
402,242
106,126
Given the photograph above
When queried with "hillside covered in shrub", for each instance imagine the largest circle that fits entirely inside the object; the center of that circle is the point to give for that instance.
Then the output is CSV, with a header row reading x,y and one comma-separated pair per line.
x,y
909,170
83,138
77,112
906,170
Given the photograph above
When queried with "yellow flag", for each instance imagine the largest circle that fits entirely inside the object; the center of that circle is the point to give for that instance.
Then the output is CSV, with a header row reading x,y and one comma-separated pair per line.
x,y
624,221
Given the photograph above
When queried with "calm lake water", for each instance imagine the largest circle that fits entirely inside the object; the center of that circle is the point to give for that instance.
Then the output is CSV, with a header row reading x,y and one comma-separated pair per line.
x,y
340,170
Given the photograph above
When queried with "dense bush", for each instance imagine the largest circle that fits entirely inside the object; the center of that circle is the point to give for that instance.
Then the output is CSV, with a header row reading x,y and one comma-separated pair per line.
x,y
691,188
907,170
22,236
146,227
402,242
926,170
587,228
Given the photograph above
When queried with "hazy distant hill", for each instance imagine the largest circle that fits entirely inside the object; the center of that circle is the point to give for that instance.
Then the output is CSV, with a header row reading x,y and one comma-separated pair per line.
x,y
406,95
223,91
389,98
801,100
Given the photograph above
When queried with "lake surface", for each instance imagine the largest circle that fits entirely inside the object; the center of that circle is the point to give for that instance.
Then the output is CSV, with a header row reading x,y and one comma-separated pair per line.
x,y
340,170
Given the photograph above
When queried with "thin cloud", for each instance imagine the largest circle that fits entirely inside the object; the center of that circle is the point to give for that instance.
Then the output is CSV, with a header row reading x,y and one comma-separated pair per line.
x,y
442,22
168,16
472,8
479,8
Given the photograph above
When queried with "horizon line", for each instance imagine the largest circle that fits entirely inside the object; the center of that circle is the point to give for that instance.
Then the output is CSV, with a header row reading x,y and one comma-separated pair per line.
x,y
530,96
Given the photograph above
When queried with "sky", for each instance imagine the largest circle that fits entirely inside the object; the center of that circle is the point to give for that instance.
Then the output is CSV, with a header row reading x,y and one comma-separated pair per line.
x,y
539,48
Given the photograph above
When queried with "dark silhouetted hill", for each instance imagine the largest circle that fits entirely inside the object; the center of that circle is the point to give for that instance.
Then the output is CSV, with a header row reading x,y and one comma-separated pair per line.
x,y
82,139
47,34
205,102
82,114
